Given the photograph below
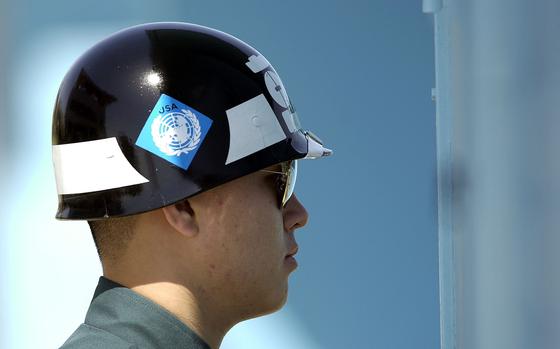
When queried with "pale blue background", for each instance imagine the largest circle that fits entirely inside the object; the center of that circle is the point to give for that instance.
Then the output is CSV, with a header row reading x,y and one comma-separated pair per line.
x,y
360,75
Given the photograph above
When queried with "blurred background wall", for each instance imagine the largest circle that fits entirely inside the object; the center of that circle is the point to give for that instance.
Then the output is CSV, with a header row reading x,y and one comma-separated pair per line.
x,y
498,89
360,74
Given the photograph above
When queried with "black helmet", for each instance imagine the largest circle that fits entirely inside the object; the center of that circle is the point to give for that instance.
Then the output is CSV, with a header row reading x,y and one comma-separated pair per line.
x,y
159,112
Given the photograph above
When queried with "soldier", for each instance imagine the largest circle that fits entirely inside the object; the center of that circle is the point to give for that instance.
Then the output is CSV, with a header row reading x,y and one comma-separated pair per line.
x,y
179,145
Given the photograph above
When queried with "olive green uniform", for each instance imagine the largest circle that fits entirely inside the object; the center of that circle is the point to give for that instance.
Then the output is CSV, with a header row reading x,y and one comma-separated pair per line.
x,y
121,318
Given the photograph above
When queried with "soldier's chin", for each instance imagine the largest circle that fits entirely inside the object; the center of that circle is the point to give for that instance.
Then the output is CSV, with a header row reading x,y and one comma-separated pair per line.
x,y
272,305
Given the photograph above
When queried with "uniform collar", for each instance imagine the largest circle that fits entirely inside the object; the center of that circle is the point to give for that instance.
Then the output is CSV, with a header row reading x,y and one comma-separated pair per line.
x,y
136,319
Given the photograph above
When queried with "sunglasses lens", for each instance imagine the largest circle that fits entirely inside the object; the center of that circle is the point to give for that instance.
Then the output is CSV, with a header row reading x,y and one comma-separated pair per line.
x,y
290,169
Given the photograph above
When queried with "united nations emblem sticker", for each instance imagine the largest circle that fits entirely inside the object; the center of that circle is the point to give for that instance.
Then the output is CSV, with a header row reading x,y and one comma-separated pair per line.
x,y
174,131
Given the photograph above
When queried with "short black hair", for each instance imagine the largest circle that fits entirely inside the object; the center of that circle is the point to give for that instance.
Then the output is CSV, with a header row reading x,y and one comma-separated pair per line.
x,y
111,236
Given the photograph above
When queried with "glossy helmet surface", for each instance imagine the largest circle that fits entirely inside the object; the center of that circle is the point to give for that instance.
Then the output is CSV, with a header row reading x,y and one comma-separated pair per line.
x,y
159,112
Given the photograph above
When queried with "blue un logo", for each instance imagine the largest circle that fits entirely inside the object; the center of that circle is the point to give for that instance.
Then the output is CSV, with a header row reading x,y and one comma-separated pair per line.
x,y
174,131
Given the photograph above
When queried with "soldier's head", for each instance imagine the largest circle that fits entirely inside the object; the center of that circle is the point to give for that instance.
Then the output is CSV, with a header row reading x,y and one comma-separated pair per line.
x,y
179,145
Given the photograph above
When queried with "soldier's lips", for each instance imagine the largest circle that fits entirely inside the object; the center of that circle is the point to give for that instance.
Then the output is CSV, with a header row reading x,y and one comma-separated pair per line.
x,y
290,261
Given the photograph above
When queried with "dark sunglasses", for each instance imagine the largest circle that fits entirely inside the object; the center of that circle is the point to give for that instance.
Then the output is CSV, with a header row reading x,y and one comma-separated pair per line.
x,y
286,181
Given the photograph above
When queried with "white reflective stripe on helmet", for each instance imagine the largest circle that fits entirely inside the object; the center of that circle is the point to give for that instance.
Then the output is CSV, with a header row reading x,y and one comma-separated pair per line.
x,y
253,126
92,166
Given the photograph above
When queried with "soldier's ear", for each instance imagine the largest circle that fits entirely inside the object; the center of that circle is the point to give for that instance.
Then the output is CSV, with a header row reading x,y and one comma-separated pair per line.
x,y
182,218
